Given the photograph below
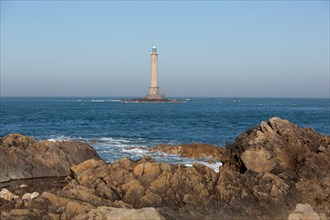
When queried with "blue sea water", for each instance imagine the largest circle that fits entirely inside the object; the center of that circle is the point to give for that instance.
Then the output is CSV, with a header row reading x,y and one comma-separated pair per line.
x,y
112,127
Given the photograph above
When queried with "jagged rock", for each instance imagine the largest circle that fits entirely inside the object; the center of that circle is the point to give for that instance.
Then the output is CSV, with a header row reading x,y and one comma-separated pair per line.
x,y
7,195
277,163
22,157
144,183
256,173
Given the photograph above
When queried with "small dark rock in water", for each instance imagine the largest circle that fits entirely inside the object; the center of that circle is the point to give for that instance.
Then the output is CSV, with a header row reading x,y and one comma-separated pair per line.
x,y
266,172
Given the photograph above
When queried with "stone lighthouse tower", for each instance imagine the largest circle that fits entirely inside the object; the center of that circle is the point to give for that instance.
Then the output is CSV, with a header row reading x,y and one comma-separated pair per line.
x,y
154,88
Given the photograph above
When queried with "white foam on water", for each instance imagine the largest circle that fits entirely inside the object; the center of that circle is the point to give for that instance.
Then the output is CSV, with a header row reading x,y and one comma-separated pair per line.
x,y
104,100
135,150
60,138
216,166
112,149
74,100
93,100
119,142
97,100
115,140
176,159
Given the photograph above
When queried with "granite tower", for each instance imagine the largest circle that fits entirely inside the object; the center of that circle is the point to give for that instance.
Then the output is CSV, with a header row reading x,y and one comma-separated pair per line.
x,y
154,88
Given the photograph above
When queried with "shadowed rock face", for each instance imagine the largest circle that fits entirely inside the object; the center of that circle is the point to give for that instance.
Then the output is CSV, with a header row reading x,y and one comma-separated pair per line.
x,y
22,157
276,145
266,172
277,164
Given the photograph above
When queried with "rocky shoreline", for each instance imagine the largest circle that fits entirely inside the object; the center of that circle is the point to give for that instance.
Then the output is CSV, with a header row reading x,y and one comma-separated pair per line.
x,y
273,171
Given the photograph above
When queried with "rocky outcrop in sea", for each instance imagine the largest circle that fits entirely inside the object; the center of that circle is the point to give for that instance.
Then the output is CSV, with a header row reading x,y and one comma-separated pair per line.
x,y
23,157
275,170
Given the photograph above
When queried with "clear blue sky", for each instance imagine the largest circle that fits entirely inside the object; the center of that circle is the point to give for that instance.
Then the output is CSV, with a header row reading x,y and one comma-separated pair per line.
x,y
206,48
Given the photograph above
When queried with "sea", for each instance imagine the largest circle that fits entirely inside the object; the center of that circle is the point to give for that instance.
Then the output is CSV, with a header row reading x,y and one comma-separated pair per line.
x,y
117,129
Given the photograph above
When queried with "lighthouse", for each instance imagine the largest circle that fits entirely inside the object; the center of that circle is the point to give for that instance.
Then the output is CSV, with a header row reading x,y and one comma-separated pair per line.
x,y
153,96
154,88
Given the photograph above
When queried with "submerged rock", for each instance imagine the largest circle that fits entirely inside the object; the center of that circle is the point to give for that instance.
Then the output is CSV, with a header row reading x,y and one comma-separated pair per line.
x,y
22,157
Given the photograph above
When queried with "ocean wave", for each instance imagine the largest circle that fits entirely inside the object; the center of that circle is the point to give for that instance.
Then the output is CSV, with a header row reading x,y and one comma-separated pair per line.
x,y
121,141
114,140
104,100
93,100
62,138
110,149
111,152
135,150
75,100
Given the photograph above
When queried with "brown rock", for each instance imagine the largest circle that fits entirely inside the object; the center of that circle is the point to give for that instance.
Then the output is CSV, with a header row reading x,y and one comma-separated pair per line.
x,y
19,212
86,195
74,209
53,216
291,166
88,164
151,199
22,157
30,196
7,195
139,169
258,160
133,192
124,163
194,150
160,185
55,200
